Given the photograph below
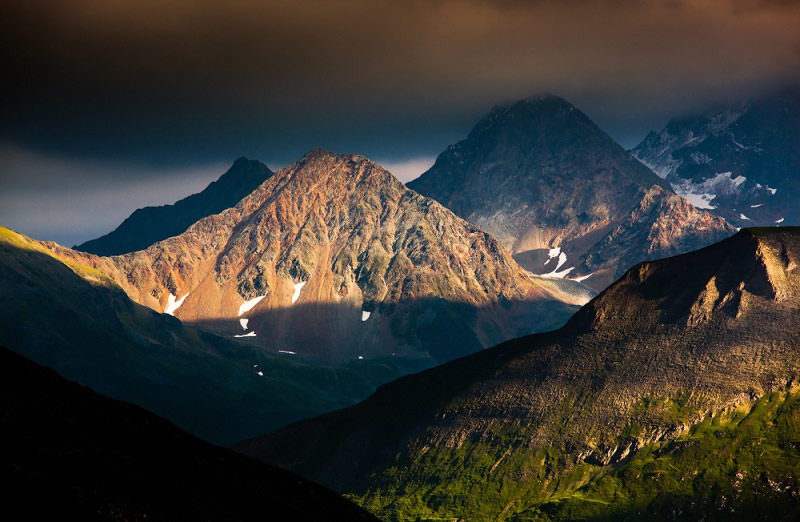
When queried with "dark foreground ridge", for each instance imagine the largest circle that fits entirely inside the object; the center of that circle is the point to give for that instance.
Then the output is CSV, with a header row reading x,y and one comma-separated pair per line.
x,y
71,454
674,394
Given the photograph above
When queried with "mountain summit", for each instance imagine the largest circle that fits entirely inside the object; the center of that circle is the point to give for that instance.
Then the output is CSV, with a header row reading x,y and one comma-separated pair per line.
x,y
555,189
674,393
152,224
334,258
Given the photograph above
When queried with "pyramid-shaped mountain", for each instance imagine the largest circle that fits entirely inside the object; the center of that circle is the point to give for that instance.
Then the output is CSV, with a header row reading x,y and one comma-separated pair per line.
x,y
558,193
152,224
674,393
333,258
740,161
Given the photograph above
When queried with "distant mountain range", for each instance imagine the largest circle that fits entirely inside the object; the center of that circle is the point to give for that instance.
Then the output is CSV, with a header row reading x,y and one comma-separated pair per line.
x,y
741,161
672,395
562,196
274,297
152,224
70,454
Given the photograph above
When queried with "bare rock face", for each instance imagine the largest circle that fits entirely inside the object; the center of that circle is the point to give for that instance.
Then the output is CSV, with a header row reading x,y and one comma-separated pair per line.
x,y
661,225
557,191
333,257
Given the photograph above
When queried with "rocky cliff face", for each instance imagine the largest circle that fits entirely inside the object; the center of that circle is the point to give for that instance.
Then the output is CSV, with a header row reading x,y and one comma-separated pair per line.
x,y
334,258
741,162
638,373
149,225
555,189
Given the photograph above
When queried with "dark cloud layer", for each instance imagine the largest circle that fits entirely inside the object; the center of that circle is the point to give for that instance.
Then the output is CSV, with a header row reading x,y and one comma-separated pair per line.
x,y
160,84
158,81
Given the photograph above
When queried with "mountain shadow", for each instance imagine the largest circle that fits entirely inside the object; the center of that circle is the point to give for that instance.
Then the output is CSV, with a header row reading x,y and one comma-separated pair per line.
x,y
426,331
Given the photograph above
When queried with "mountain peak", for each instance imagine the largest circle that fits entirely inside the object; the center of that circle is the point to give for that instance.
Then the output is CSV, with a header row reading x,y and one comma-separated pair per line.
x,y
334,240
538,174
529,116
149,225
320,164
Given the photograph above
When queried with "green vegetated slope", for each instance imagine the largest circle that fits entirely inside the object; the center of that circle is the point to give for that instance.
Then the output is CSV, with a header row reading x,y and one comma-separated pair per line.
x,y
672,395
742,462
75,320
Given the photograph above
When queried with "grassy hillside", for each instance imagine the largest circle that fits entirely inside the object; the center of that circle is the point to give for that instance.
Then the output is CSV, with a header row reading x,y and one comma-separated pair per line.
x,y
742,462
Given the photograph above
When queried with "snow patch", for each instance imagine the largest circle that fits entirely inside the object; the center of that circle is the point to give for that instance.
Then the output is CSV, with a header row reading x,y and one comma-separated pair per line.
x,y
173,305
772,190
756,206
297,288
365,315
248,334
243,322
562,258
552,253
745,218
261,374
701,194
583,278
360,357
248,305
555,274
287,351
698,200
556,253
780,220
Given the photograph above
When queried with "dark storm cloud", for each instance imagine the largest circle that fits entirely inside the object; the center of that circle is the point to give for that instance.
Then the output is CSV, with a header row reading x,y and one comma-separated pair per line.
x,y
159,81
157,89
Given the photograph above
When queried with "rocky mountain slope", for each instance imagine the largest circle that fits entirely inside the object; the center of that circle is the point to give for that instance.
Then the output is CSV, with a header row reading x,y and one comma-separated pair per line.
x,y
333,258
70,454
741,162
152,224
558,193
77,321
673,394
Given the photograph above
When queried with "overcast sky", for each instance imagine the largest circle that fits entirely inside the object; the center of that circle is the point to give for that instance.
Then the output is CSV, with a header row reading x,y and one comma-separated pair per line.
x,y
113,105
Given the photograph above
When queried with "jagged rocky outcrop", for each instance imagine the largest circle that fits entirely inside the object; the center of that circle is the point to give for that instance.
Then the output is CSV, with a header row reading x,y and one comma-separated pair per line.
x,y
540,176
334,258
152,224
740,161
512,431
71,454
